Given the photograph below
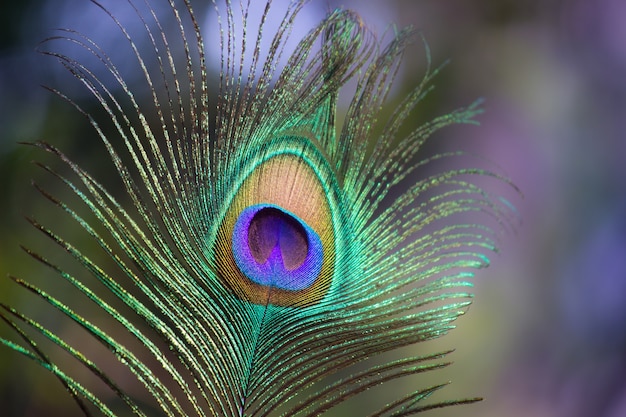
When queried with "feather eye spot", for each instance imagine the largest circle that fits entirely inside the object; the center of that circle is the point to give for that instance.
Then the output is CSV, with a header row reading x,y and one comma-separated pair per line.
x,y
273,247
276,241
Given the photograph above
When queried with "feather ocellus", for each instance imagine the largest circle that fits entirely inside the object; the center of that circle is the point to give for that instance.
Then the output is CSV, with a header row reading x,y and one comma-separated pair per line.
x,y
298,227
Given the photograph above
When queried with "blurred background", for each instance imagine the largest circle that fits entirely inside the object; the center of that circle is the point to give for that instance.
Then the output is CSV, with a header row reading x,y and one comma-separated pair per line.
x,y
546,335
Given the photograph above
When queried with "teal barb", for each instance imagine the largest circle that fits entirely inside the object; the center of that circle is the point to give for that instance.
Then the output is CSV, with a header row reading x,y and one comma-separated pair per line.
x,y
268,256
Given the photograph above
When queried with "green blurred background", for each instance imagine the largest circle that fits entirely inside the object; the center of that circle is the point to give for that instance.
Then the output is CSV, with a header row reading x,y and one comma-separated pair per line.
x,y
546,335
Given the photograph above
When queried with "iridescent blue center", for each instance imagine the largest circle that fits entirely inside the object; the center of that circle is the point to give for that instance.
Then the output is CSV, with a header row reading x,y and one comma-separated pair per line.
x,y
274,247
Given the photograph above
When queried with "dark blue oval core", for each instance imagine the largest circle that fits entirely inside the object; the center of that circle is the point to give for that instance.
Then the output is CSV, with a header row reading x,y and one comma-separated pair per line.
x,y
274,247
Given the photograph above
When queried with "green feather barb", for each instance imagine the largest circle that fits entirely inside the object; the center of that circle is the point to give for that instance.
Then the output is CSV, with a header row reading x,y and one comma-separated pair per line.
x,y
261,257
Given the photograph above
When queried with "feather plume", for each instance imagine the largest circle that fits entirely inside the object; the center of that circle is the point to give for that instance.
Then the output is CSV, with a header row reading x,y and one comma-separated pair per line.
x,y
261,257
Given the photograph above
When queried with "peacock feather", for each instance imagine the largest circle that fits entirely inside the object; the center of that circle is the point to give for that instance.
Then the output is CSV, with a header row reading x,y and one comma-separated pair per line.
x,y
261,255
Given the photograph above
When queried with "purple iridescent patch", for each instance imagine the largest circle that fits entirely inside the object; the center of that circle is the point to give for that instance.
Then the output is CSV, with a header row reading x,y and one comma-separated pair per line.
x,y
274,247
